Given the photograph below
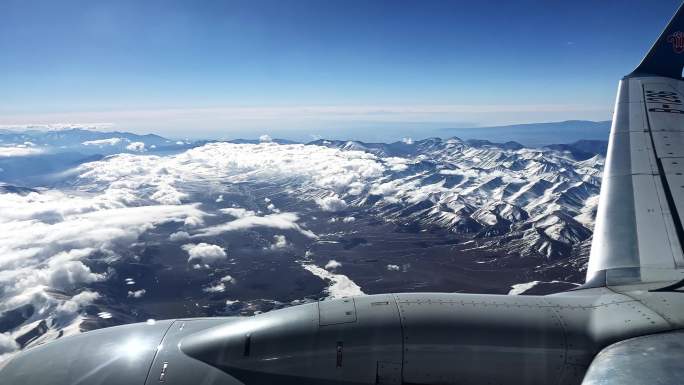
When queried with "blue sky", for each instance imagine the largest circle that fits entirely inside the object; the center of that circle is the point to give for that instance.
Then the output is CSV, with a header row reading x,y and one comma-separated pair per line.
x,y
308,68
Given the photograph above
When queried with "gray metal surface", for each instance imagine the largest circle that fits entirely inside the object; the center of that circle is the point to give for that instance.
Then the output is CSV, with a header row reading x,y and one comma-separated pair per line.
x,y
172,367
111,356
293,346
533,340
448,336
427,338
654,359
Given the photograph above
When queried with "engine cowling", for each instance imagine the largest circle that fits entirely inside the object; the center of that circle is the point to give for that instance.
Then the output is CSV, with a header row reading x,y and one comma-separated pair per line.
x,y
352,340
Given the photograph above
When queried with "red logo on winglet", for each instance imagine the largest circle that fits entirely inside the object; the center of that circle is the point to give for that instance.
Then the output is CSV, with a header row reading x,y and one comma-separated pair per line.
x,y
677,41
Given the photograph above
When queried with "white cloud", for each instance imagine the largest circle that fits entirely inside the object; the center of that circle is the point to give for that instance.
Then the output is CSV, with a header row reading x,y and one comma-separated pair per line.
x,y
67,310
103,142
407,140
47,238
119,198
20,150
265,139
31,221
193,221
332,203
69,274
39,223
386,189
332,265
393,267
221,286
321,171
7,344
397,164
218,288
279,242
348,219
228,279
179,236
283,221
137,293
271,207
238,212
204,252
356,188
136,146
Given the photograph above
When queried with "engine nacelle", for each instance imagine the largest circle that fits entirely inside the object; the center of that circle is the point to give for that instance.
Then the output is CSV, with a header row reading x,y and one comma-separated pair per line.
x,y
352,340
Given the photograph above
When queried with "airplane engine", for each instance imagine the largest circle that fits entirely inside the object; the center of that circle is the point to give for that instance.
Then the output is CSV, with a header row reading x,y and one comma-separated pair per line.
x,y
348,341
120,355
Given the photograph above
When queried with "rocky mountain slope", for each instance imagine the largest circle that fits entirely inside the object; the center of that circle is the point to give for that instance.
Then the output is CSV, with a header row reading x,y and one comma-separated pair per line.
x,y
526,201
223,228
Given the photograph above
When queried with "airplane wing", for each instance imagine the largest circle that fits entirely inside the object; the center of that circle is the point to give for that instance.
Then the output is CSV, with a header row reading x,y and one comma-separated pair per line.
x,y
639,233
638,243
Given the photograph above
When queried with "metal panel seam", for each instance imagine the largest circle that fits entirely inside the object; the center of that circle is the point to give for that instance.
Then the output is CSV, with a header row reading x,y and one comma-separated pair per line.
x,y
663,180
663,317
156,351
401,327
561,322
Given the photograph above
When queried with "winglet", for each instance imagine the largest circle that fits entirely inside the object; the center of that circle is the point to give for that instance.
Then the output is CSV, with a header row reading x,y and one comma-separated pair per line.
x,y
666,57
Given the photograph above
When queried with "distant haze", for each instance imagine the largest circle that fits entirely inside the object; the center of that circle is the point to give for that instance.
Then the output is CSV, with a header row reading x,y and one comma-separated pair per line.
x,y
530,134
535,134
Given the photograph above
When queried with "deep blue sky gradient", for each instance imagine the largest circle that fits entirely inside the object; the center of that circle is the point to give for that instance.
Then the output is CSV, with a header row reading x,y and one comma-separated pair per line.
x,y
91,59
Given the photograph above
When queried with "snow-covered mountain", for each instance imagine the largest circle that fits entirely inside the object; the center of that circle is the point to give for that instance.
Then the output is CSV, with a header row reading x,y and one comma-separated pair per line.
x,y
76,137
222,228
536,202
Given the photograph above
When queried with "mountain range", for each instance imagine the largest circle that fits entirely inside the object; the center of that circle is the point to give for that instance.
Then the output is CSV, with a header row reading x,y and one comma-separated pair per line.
x,y
105,228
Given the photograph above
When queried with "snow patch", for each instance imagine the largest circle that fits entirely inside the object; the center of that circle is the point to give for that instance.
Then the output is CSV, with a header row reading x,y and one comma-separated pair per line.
x,y
340,285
